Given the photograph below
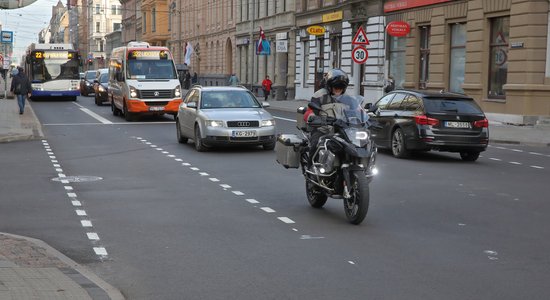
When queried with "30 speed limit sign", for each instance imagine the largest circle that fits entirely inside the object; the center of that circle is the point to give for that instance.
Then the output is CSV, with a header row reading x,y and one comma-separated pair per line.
x,y
359,55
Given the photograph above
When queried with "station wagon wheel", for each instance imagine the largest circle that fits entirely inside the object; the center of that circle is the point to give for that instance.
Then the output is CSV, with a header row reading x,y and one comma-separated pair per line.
x,y
398,147
181,138
199,145
469,155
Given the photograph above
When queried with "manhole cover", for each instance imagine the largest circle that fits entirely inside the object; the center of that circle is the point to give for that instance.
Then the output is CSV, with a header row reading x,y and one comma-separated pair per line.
x,y
78,178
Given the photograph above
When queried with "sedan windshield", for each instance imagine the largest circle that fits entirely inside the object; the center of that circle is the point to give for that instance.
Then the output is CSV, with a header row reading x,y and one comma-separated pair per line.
x,y
228,99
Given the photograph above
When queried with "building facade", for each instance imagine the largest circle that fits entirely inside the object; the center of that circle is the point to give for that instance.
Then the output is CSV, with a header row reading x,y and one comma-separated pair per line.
x,y
131,21
493,50
276,19
102,17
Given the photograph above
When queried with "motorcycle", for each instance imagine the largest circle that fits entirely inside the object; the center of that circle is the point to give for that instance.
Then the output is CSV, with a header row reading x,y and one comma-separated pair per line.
x,y
343,163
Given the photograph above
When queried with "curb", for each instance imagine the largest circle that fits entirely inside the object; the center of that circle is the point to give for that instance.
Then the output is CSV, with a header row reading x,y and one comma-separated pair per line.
x,y
111,291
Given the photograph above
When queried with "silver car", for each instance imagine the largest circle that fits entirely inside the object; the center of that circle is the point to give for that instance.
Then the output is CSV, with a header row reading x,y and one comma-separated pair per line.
x,y
213,116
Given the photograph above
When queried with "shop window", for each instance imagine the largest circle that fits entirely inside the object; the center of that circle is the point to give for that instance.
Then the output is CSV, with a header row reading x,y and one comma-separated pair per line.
x,y
498,62
397,59
424,57
458,57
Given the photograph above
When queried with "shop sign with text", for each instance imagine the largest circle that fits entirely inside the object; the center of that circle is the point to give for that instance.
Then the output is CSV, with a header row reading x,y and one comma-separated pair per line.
x,y
395,5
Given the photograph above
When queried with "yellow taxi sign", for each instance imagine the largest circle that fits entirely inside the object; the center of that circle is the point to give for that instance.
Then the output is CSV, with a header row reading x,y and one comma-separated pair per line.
x,y
316,30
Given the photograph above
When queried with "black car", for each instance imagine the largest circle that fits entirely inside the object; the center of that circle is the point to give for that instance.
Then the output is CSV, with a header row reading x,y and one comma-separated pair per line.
x,y
410,120
101,83
87,83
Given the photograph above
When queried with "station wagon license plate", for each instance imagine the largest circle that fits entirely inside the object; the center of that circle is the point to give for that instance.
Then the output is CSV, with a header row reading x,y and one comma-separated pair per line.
x,y
454,124
156,108
243,133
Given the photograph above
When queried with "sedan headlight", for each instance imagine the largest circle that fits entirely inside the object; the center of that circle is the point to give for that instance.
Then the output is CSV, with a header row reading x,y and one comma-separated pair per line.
x,y
267,123
101,88
214,123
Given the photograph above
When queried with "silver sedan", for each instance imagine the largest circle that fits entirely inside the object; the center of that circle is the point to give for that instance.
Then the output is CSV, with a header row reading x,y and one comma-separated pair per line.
x,y
213,116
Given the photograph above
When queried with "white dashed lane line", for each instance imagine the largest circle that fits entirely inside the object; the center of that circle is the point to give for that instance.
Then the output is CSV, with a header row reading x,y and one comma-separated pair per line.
x,y
73,197
226,187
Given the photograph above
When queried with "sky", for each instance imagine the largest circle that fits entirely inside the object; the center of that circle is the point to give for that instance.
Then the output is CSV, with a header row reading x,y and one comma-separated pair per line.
x,y
26,23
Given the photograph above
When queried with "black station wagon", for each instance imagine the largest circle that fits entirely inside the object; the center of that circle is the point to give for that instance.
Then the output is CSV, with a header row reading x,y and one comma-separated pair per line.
x,y
412,120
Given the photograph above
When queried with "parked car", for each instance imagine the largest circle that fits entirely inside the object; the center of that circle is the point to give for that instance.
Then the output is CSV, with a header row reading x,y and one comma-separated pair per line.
x,y
410,120
214,116
101,86
87,83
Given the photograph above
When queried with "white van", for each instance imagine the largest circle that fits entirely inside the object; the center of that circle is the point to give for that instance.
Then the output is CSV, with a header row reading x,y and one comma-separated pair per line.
x,y
143,81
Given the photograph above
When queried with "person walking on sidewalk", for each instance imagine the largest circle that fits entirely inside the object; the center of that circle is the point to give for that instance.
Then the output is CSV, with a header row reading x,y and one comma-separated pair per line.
x,y
266,86
21,87
233,80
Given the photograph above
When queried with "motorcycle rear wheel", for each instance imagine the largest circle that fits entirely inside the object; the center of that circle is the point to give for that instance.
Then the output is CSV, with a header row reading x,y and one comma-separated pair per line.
x,y
315,195
357,206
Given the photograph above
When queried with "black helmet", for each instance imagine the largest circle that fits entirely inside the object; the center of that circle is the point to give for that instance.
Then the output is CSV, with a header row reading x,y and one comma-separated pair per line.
x,y
337,78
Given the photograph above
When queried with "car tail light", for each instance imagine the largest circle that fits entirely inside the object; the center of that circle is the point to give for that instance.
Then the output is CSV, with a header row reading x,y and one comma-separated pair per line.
x,y
481,123
424,120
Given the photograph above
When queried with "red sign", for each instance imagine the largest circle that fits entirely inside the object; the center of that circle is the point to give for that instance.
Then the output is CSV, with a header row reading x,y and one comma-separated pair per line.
x,y
359,55
360,38
398,28
394,5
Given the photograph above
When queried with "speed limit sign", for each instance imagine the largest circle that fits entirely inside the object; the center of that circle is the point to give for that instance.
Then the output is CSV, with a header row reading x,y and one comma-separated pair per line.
x,y
359,55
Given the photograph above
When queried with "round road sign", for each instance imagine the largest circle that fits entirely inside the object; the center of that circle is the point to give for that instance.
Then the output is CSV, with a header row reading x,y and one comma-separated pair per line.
x,y
359,55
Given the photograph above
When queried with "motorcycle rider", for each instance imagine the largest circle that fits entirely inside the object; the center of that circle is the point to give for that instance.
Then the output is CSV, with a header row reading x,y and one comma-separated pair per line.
x,y
336,83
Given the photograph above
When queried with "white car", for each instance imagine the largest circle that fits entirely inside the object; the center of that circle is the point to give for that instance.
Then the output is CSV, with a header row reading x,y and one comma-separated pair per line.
x,y
214,116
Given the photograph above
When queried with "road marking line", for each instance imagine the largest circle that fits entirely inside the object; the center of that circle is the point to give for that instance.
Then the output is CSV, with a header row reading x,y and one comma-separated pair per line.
x,y
68,188
253,201
165,152
267,209
351,262
57,166
71,195
61,175
204,174
238,193
515,163
286,220
214,179
285,119
497,159
194,168
50,153
517,150
535,153
178,159
76,203
54,161
537,167
92,236
159,149
86,223
95,116
100,251
52,157
185,164
59,170
225,186
171,155
64,181
80,212
153,146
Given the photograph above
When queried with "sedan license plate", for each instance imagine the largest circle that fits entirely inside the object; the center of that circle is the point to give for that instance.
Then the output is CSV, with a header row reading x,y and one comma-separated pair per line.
x,y
156,108
454,124
244,133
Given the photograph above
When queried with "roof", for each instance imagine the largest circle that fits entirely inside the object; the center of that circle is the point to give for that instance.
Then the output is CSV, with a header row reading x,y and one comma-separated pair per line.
x,y
435,94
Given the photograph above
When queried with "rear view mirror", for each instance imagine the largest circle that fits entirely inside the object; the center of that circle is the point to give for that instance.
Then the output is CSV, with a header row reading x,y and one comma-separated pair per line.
x,y
265,104
191,104
368,106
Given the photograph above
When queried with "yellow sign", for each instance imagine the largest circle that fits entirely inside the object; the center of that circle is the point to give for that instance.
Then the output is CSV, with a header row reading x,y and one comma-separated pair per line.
x,y
52,55
316,30
335,16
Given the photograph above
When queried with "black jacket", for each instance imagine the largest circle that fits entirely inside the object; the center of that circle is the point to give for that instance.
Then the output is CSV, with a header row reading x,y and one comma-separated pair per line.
x,y
23,81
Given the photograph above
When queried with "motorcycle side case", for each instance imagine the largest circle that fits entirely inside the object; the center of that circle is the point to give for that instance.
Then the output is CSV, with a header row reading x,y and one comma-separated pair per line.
x,y
300,122
287,151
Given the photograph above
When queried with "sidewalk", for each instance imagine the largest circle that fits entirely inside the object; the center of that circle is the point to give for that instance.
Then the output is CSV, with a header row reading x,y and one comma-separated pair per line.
x,y
31,269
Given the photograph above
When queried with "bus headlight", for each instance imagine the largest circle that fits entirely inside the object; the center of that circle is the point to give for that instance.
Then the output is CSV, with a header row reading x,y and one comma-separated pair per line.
x,y
133,92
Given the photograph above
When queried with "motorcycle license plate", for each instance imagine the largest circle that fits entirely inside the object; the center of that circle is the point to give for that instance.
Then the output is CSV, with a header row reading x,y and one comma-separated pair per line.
x,y
243,133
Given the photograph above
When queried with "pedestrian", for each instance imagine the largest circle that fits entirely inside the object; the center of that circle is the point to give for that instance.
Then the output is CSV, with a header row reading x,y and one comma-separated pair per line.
x,y
187,80
266,86
233,80
21,87
195,78
389,85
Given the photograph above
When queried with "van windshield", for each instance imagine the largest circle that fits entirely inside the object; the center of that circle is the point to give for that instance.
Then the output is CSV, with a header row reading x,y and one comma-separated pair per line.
x,y
151,69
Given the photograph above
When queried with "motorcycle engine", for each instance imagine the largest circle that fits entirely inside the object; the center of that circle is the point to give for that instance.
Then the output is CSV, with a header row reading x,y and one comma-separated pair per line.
x,y
326,160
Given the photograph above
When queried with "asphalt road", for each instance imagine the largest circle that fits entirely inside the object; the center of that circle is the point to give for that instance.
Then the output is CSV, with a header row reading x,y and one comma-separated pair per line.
x,y
172,223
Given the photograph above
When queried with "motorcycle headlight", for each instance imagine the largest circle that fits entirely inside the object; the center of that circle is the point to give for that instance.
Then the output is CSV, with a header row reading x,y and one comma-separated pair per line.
x,y
267,123
359,138
214,123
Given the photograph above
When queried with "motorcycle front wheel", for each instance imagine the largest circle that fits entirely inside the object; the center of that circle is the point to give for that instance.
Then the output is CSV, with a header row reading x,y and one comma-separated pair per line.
x,y
357,205
315,195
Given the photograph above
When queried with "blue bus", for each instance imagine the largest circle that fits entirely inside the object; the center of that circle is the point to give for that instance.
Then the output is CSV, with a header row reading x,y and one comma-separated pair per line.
x,y
53,70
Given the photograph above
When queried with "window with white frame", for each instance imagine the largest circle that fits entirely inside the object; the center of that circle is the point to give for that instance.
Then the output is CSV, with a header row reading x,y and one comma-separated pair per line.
x,y
498,62
457,62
